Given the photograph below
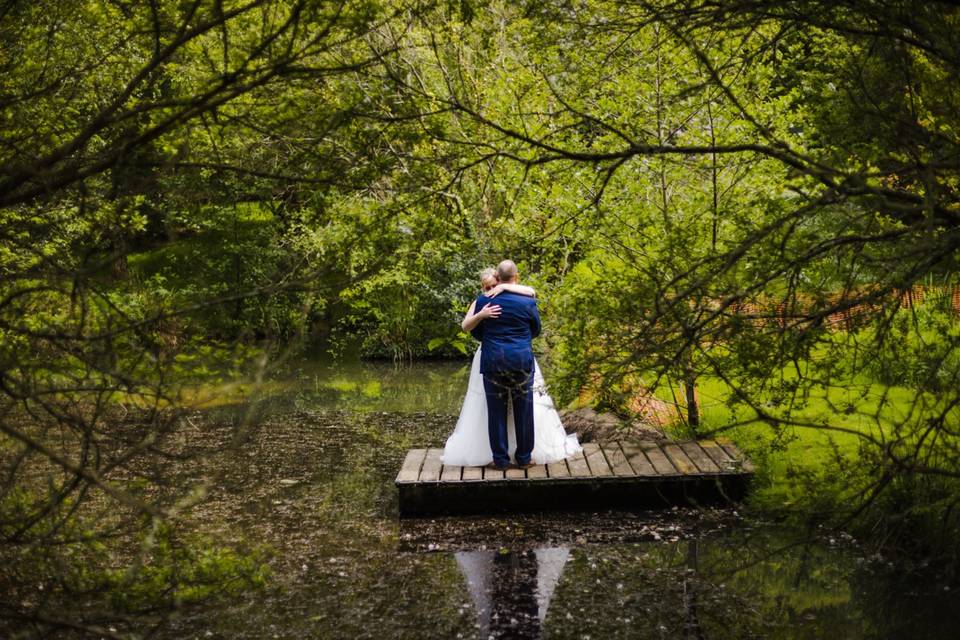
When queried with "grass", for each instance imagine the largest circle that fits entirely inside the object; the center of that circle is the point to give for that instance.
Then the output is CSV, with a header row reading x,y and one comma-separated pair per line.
x,y
824,447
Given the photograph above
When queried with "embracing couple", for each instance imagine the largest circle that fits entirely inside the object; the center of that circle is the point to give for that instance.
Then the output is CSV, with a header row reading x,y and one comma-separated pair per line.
x,y
505,374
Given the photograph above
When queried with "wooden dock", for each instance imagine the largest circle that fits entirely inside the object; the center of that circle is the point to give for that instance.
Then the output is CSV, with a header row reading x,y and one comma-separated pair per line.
x,y
643,474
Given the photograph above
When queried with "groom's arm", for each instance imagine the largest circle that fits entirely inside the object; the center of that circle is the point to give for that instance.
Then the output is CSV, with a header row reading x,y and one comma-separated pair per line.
x,y
477,329
534,320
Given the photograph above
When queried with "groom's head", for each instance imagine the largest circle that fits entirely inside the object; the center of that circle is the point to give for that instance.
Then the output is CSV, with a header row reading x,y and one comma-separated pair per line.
x,y
507,271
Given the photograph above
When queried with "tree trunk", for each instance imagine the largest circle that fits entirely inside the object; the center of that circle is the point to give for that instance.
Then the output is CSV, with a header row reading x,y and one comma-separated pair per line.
x,y
690,390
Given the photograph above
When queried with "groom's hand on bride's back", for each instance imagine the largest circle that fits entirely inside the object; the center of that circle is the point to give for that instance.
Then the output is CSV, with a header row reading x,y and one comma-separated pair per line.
x,y
535,326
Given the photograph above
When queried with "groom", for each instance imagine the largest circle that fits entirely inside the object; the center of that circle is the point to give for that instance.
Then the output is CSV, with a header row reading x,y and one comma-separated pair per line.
x,y
506,363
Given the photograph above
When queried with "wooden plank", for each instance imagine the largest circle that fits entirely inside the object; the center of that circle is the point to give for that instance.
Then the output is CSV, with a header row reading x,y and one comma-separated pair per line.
x,y
537,472
450,473
515,474
657,458
578,465
635,456
598,463
492,474
558,469
432,466
718,455
699,457
472,473
618,461
410,470
679,459
734,452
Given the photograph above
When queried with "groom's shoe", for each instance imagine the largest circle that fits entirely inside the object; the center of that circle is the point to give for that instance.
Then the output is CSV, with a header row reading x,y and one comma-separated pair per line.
x,y
524,466
494,466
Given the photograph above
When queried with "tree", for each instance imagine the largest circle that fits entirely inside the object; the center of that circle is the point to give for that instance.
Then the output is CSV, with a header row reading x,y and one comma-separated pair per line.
x,y
126,124
843,117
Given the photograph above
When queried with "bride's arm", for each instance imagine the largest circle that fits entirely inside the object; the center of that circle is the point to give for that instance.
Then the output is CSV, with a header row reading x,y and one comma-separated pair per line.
x,y
472,319
522,289
467,325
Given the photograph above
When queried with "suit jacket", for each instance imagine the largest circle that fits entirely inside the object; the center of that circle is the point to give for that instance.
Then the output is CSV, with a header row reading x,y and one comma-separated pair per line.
x,y
505,341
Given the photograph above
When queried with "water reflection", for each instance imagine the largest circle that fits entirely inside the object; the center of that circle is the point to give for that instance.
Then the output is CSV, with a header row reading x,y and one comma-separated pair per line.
x,y
370,386
511,590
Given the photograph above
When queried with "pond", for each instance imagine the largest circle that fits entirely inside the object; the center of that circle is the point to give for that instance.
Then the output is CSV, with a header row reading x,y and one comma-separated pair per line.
x,y
313,492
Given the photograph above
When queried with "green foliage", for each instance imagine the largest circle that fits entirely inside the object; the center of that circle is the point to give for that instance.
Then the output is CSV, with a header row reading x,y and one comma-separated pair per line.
x,y
414,308
226,269
171,572
919,347
732,199
155,571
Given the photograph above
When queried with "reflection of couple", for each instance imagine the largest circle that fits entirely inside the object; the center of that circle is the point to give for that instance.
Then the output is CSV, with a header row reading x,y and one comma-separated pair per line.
x,y
511,590
504,372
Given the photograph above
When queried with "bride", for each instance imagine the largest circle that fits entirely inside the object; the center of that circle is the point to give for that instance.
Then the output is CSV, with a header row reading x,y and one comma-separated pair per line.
x,y
469,444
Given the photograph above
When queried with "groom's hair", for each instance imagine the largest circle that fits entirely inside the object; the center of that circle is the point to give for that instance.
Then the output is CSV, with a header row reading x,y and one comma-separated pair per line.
x,y
506,271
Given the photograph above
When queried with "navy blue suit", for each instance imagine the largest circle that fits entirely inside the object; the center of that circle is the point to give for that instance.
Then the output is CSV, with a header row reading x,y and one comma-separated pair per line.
x,y
506,363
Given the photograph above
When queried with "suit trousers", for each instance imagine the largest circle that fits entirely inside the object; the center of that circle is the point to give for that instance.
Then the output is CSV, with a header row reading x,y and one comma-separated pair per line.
x,y
518,387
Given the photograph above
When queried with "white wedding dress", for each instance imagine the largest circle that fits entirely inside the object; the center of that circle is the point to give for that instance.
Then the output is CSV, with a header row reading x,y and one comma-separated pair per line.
x,y
469,444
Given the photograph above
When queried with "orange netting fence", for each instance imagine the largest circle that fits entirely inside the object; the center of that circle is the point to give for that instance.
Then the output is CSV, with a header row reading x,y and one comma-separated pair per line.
x,y
847,315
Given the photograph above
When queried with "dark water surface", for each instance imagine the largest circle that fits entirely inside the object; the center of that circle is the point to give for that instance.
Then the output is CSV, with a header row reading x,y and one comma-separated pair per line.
x,y
313,491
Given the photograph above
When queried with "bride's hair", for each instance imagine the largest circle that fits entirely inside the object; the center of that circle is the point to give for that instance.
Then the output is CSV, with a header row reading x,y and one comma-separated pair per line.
x,y
488,273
